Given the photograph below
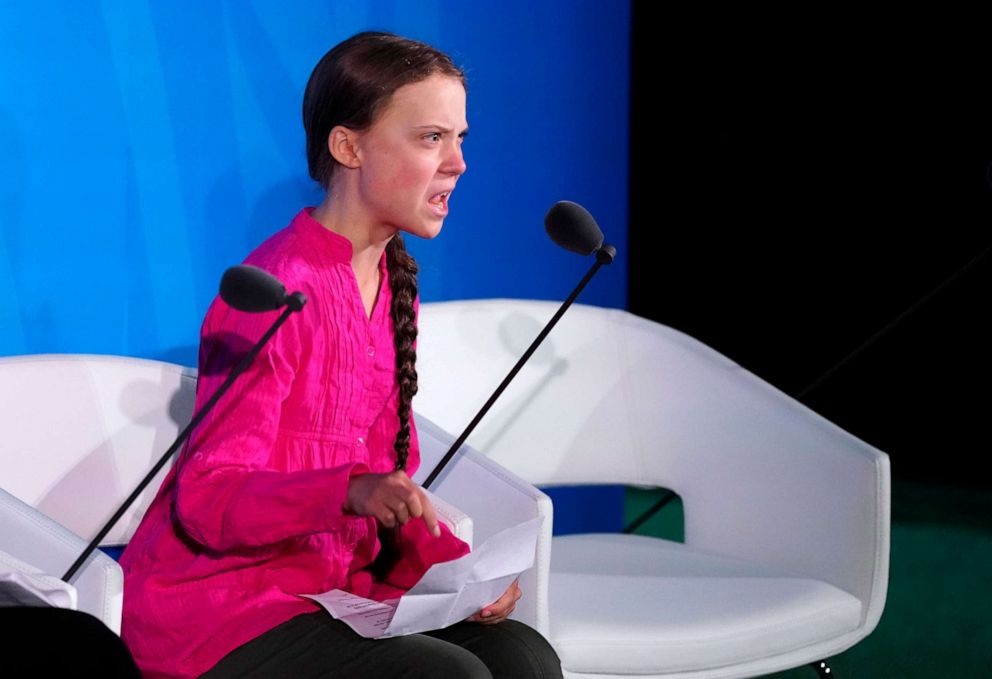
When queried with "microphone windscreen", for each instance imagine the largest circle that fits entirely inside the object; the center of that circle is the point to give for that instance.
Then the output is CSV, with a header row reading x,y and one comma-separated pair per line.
x,y
248,288
572,227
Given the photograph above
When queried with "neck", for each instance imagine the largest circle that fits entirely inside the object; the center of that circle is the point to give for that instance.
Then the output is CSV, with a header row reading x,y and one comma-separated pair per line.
x,y
368,240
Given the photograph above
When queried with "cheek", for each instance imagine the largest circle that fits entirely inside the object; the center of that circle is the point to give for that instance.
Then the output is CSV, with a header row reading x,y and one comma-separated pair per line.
x,y
406,171
414,174
392,170
387,177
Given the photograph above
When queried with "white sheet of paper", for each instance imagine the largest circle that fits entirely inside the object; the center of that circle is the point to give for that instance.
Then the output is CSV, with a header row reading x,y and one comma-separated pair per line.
x,y
21,584
448,593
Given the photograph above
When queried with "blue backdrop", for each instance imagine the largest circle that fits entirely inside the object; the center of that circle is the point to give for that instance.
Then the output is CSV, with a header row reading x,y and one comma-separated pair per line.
x,y
147,146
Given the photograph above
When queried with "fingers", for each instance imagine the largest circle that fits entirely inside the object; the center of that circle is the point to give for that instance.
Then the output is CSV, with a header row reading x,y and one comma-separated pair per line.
x,y
402,513
491,616
415,504
387,519
430,516
500,609
392,499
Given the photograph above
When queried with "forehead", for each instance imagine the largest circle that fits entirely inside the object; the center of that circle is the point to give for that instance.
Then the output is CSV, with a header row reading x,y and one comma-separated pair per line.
x,y
436,100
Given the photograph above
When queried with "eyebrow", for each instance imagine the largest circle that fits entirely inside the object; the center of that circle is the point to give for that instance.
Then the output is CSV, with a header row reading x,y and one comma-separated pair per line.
x,y
439,128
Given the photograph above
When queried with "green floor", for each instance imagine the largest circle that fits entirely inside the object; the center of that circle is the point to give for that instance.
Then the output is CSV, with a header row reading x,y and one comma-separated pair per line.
x,y
936,619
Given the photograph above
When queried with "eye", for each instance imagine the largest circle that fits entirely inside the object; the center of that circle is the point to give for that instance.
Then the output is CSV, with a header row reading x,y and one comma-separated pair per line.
x,y
433,137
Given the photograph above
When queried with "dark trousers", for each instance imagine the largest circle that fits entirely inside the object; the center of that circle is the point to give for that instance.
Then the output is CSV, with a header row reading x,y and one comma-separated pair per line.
x,y
317,645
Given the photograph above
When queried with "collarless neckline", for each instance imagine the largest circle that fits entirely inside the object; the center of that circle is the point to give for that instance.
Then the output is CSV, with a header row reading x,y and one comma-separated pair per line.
x,y
340,250
336,245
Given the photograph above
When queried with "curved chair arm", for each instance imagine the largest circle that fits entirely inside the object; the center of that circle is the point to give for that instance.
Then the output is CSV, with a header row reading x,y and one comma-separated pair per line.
x,y
495,499
771,482
36,539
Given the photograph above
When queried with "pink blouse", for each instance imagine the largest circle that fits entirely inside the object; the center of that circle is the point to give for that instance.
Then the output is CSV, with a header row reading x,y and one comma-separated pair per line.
x,y
251,514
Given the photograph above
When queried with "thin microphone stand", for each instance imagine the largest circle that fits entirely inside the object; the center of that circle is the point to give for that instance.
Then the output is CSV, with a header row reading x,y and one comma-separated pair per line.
x,y
604,255
294,302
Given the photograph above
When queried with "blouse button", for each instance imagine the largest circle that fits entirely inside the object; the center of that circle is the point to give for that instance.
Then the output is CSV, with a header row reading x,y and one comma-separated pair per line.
x,y
361,440
371,351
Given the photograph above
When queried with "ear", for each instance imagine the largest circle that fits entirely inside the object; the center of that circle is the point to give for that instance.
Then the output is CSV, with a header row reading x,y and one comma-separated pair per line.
x,y
343,146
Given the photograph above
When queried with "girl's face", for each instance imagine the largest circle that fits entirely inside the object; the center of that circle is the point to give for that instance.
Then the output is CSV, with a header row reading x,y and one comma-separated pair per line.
x,y
411,156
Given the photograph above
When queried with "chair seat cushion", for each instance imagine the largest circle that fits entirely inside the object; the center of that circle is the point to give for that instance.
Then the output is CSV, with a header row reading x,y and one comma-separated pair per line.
x,y
632,604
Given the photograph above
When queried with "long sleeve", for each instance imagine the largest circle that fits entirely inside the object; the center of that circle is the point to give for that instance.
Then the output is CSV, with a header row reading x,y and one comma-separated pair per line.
x,y
252,513
231,489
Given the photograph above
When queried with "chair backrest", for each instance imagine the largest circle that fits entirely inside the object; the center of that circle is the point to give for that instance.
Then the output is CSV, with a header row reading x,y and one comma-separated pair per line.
x,y
614,398
608,398
598,401
80,432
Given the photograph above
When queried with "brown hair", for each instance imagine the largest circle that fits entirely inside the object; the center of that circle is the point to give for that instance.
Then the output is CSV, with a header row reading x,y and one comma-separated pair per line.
x,y
349,86
356,80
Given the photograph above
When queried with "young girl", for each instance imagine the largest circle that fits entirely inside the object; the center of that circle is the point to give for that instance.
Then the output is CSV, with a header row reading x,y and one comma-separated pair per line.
x,y
299,480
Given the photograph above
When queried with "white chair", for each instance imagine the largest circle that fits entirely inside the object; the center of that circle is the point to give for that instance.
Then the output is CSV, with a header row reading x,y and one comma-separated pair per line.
x,y
81,432
785,560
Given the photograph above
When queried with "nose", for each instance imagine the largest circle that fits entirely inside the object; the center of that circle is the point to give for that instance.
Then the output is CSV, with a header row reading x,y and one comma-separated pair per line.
x,y
454,160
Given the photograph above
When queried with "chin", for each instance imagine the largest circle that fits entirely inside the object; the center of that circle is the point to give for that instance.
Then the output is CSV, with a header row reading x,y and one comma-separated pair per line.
x,y
425,231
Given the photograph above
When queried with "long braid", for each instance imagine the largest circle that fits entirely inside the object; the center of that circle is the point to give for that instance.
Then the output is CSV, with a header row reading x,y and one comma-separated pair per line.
x,y
403,284
349,87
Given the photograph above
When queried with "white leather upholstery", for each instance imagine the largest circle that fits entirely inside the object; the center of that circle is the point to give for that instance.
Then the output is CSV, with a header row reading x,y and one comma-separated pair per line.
x,y
785,558
82,431
34,538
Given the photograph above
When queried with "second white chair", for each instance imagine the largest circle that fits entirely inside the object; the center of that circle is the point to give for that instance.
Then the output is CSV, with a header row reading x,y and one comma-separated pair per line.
x,y
785,560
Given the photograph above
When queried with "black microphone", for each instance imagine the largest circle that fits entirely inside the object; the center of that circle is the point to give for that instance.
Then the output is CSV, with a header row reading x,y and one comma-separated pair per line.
x,y
246,288
572,227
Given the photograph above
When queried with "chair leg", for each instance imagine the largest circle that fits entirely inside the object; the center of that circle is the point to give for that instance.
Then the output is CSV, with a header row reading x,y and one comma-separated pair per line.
x,y
822,669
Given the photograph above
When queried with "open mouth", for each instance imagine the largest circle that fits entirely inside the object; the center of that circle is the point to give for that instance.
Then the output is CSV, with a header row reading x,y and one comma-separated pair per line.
x,y
440,201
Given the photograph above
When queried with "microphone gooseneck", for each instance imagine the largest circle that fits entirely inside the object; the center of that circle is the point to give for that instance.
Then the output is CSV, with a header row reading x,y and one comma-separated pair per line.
x,y
572,227
245,288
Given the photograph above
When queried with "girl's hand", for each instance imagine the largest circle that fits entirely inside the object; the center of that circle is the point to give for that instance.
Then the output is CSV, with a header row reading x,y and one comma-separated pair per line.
x,y
393,499
497,611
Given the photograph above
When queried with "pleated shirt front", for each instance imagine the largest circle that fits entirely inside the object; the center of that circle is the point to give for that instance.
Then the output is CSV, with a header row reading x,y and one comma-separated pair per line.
x,y
251,515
